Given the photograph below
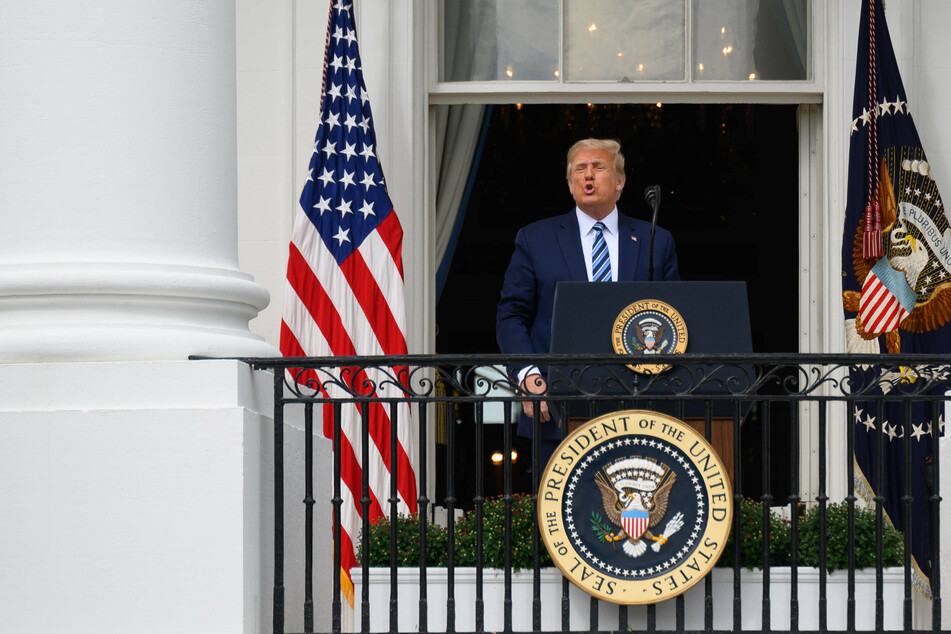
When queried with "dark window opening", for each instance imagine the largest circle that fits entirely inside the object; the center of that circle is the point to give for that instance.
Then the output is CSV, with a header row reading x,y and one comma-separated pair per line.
x,y
729,177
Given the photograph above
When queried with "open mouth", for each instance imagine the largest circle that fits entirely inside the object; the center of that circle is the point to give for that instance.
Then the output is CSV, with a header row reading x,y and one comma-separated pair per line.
x,y
589,188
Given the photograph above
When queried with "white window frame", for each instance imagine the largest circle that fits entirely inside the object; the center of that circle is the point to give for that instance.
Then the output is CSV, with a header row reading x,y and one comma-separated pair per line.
x,y
817,272
688,90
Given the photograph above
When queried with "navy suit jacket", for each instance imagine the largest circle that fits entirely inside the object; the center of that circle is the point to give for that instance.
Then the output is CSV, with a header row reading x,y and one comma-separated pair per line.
x,y
549,251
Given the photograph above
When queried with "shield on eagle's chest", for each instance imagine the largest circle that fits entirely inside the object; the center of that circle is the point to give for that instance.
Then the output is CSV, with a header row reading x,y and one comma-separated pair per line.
x,y
649,341
634,522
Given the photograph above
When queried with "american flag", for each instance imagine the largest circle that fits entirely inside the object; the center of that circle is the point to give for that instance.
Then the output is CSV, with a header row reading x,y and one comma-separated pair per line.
x,y
894,289
344,293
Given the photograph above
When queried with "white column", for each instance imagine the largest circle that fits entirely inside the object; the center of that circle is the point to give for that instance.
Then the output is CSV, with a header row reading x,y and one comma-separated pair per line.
x,y
133,482
118,188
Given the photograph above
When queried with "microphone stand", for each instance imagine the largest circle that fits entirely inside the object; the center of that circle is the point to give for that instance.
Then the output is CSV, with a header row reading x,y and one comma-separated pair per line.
x,y
652,196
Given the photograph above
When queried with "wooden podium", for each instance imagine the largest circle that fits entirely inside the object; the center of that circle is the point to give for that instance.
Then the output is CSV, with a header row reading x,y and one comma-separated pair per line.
x,y
721,437
717,318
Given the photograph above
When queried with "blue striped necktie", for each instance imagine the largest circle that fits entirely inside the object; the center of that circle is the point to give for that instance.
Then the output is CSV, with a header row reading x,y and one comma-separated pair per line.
x,y
600,258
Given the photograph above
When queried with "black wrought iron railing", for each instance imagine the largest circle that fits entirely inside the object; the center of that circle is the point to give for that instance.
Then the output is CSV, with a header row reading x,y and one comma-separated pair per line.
x,y
791,427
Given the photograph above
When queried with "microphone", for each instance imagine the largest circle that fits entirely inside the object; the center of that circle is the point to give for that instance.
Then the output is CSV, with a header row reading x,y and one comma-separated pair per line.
x,y
652,196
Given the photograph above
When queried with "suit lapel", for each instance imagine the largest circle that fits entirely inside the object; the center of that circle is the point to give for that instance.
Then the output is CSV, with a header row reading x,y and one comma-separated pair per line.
x,y
569,243
629,243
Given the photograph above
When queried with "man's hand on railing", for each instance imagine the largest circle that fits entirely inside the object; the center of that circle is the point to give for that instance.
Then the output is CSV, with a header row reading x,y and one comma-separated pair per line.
x,y
535,384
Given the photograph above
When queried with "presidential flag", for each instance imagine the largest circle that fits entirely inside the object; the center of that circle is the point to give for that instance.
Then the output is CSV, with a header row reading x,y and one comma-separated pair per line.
x,y
344,293
896,272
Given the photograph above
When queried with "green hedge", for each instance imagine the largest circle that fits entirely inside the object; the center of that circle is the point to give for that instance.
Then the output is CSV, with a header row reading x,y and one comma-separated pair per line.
x,y
437,538
837,534
523,525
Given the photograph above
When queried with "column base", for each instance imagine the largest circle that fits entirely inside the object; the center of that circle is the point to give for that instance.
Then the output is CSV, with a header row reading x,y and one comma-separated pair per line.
x,y
132,496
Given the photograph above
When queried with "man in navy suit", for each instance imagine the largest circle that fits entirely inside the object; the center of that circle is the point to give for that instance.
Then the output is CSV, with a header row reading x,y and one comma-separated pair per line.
x,y
571,247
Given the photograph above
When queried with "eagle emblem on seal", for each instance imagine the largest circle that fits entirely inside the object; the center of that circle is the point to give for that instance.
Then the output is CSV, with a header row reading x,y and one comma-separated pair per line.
x,y
634,493
909,288
650,336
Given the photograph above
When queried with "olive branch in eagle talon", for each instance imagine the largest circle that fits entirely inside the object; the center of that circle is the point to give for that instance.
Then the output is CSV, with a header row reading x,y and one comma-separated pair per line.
x,y
637,484
602,529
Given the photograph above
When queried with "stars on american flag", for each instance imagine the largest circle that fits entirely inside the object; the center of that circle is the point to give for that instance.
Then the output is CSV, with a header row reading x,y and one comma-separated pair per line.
x,y
366,209
342,235
326,178
323,205
345,175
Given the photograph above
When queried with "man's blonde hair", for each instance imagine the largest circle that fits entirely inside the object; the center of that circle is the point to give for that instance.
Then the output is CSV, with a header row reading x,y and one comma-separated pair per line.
x,y
610,146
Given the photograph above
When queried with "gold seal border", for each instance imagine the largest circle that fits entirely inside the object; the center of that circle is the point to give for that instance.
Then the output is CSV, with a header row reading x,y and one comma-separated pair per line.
x,y
617,331
588,438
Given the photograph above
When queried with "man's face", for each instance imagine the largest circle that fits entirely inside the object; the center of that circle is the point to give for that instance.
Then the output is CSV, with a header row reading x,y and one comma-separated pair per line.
x,y
593,182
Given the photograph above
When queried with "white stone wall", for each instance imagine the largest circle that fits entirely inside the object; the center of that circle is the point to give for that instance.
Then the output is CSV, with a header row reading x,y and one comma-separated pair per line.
x,y
133,497
266,167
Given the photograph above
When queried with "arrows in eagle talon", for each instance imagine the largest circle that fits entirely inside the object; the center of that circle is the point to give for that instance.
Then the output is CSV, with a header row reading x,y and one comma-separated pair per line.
x,y
674,525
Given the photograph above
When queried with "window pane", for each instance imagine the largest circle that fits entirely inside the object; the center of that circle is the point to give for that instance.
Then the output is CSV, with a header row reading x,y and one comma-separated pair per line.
x,y
500,40
750,39
620,40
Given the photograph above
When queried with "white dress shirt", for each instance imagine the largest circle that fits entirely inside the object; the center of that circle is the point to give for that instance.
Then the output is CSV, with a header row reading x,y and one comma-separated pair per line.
x,y
586,227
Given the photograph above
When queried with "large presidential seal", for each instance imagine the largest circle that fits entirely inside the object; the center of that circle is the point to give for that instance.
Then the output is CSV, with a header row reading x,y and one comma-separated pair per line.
x,y
648,327
635,507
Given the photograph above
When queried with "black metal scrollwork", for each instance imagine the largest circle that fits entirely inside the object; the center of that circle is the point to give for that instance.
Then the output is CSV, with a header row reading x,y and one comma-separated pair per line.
x,y
465,378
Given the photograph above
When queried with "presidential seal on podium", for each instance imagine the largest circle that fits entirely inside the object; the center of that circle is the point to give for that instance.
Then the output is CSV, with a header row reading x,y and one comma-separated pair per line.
x,y
649,327
635,507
